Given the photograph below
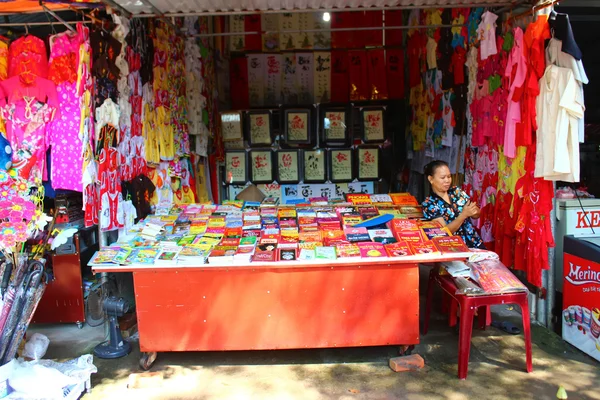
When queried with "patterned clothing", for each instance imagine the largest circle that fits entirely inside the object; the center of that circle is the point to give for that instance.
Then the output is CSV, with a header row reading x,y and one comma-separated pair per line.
x,y
435,207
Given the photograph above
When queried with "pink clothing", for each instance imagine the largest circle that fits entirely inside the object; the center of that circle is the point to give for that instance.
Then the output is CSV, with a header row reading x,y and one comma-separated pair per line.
x,y
516,71
487,33
67,148
26,131
43,90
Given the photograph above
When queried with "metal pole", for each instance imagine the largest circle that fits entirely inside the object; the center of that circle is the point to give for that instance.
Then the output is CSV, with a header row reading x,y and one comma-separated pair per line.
x,y
62,21
118,7
38,23
373,28
551,272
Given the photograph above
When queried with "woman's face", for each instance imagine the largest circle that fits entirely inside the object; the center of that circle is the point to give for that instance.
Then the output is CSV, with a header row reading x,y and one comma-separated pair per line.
x,y
441,179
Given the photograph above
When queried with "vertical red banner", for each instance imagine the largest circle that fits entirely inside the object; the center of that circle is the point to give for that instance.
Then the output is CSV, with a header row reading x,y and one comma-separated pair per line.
x,y
342,39
393,37
372,19
358,75
395,73
377,77
340,89
252,24
238,83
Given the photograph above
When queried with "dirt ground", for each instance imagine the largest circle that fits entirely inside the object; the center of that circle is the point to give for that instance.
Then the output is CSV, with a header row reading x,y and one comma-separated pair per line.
x,y
496,369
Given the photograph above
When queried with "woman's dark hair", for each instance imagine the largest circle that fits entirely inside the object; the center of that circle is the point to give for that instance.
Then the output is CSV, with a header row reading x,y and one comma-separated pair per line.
x,y
432,166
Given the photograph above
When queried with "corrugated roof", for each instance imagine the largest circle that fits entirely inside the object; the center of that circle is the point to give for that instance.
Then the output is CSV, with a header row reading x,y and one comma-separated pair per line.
x,y
215,6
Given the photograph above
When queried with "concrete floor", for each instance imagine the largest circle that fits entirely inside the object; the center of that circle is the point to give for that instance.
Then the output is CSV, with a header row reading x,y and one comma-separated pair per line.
x,y
496,369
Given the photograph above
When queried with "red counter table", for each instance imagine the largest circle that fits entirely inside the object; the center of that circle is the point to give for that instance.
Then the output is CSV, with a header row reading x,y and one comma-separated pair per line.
x,y
283,305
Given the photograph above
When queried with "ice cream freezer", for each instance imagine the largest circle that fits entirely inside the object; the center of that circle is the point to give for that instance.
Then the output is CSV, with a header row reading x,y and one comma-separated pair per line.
x,y
581,294
576,217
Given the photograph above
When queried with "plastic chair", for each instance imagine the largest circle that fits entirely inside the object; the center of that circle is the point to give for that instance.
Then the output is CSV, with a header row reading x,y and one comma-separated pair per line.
x,y
468,305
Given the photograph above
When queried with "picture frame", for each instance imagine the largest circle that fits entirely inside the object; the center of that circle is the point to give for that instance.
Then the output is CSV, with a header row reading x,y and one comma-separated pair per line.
x,y
341,165
236,164
289,165
315,166
261,166
297,125
368,163
335,124
372,124
231,126
259,127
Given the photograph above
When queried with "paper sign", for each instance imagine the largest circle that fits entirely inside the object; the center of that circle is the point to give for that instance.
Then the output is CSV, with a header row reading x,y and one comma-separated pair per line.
x,y
273,79
236,24
287,166
288,22
256,79
262,168
235,167
314,165
270,25
322,76
307,191
270,189
373,125
305,77
368,163
341,165
321,40
289,86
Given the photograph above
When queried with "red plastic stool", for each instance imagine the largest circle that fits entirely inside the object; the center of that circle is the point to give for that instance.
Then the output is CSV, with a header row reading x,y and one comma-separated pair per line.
x,y
468,305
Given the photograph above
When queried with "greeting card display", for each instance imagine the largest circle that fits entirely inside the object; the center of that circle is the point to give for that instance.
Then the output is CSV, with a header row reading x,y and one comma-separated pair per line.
x,y
372,124
297,125
236,167
261,165
289,166
231,126
367,160
335,124
258,128
314,166
341,165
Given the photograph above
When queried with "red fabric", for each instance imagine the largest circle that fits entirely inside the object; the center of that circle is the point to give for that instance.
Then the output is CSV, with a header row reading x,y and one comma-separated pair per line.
x,y
252,24
238,75
393,37
342,39
28,54
415,49
377,75
459,59
372,37
340,85
395,73
358,75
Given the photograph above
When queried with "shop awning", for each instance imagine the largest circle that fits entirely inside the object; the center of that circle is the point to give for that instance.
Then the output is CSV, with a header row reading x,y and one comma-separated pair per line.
x,y
171,7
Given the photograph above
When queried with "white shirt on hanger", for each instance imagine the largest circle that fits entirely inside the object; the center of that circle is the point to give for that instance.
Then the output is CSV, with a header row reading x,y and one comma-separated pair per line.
x,y
558,113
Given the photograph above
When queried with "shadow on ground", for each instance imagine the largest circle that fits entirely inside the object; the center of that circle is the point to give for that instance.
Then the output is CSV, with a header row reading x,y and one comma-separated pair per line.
x,y
496,369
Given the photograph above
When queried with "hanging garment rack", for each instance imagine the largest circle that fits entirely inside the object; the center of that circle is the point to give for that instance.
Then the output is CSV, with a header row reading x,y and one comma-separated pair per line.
x,y
59,19
30,24
534,10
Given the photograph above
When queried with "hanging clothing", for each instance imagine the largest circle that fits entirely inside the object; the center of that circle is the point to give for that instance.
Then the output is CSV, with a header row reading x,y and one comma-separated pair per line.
x,y
555,56
561,26
559,112
487,32
28,55
111,199
516,71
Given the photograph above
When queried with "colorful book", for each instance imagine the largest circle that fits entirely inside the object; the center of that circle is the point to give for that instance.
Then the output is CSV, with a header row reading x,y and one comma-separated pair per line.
x,y
122,255
349,220
371,250
167,256
383,236
264,256
398,249
347,250
106,255
306,254
354,235
325,253
381,198
451,245
426,247
286,254
358,198
143,256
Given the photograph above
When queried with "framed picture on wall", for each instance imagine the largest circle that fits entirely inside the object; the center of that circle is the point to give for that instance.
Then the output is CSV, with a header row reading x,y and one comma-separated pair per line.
x,y
341,165
297,125
315,168
335,123
231,126
372,122
258,128
289,166
261,165
368,163
236,167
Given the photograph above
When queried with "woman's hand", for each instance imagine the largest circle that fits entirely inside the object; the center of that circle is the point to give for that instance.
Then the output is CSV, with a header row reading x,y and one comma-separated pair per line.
x,y
470,210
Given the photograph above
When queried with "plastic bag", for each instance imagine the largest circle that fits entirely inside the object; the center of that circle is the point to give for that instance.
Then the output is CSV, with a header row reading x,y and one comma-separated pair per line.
x,y
30,379
36,347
